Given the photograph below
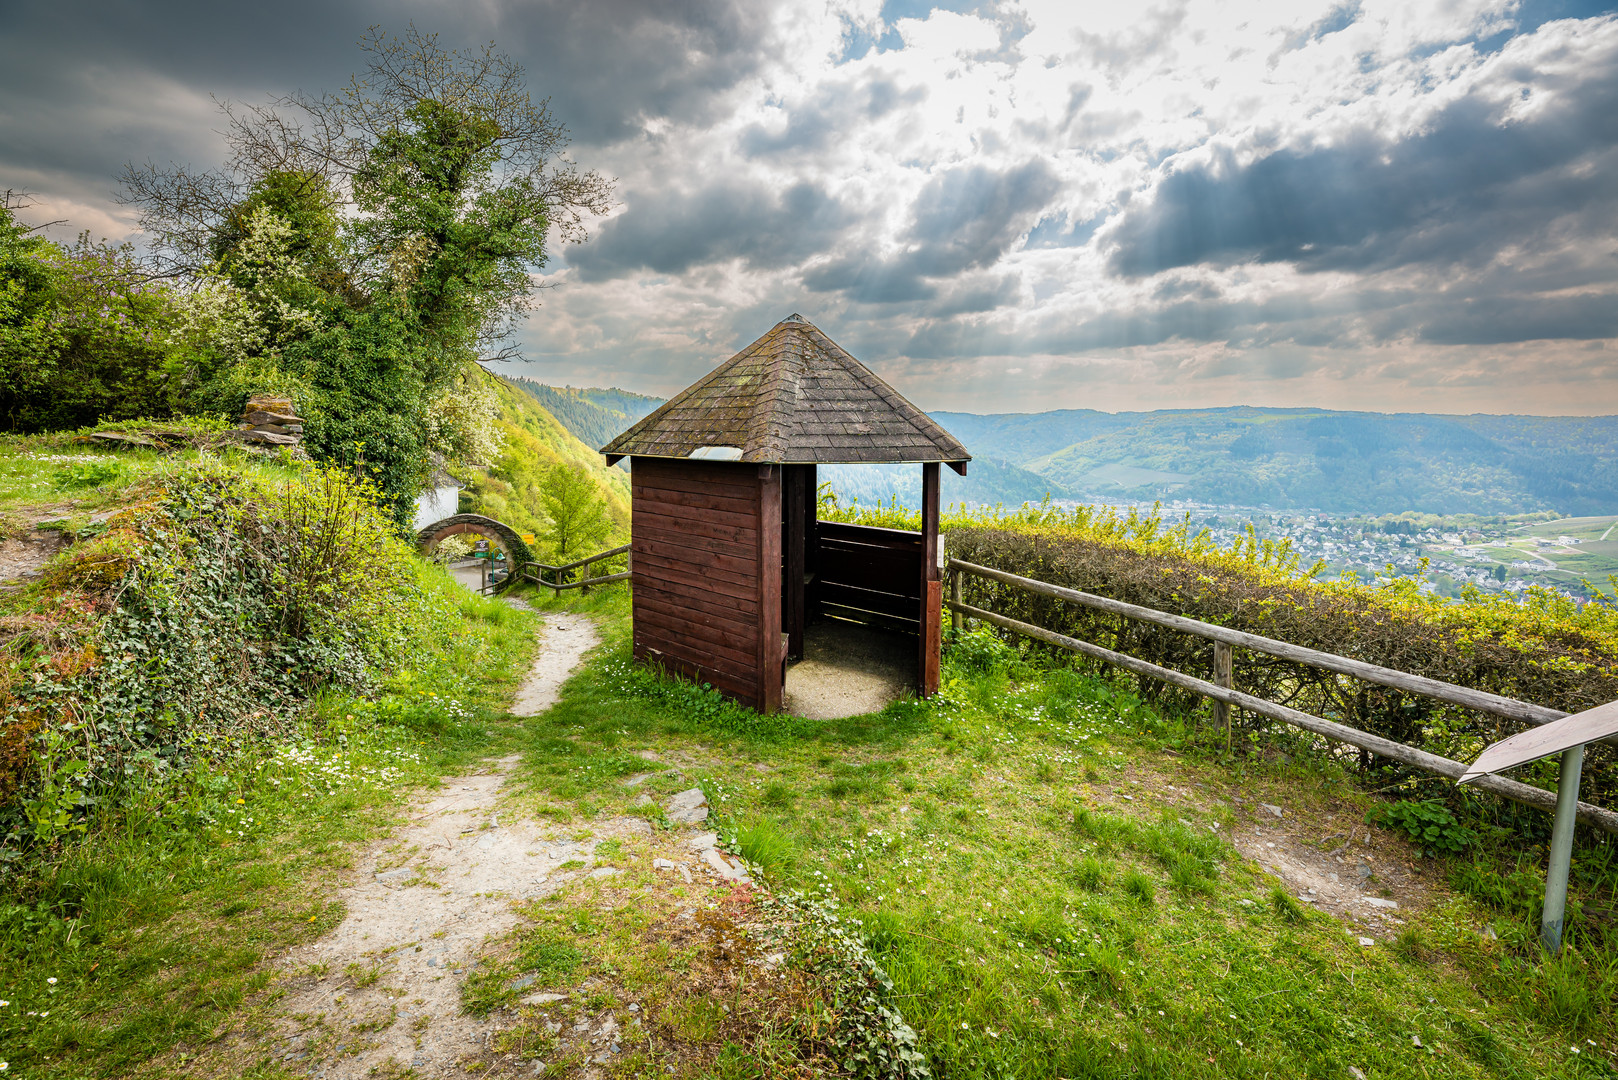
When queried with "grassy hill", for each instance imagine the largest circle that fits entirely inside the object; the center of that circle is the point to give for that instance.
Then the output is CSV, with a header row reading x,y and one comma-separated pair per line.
x,y
535,440
593,415
1314,458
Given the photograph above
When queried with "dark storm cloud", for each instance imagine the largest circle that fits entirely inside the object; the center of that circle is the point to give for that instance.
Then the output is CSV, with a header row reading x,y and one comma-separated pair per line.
x,y
837,107
1471,184
1522,318
610,64
670,233
89,86
963,219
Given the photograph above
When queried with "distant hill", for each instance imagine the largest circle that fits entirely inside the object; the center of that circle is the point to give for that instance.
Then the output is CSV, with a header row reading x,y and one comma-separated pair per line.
x,y
594,416
535,439
1289,459
987,482
1314,458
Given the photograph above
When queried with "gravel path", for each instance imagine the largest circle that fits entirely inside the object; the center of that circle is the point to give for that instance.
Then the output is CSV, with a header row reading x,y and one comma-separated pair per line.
x,y
383,990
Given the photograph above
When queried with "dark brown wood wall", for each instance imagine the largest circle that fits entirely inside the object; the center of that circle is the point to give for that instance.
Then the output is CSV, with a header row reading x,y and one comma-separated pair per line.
x,y
870,575
701,604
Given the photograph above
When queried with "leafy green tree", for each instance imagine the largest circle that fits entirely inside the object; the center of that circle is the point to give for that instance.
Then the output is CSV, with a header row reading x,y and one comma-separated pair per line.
x,y
410,210
84,334
577,523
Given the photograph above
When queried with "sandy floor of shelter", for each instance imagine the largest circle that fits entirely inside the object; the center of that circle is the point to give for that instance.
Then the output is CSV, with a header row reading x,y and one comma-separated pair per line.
x,y
849,670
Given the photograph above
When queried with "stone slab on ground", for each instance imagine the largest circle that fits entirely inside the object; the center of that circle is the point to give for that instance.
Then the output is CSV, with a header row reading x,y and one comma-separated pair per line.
x,y
688,807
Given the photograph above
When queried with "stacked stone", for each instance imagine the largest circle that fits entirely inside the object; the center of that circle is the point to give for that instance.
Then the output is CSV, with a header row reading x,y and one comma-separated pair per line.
x,y
270,419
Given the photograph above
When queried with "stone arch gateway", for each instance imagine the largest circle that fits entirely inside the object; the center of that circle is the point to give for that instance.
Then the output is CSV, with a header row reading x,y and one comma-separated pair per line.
x,y
498,533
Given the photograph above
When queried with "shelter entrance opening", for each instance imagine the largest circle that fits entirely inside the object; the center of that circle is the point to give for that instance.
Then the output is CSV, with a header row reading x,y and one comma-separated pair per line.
x,y
732,573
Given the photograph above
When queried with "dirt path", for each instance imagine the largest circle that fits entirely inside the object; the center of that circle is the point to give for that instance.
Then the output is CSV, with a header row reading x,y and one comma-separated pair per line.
x,y
382,992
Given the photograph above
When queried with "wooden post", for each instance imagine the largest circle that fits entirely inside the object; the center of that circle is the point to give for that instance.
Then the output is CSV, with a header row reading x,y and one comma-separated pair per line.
x,y
932,600
794,480
771,655
811,544
584,572
1224,662
957,620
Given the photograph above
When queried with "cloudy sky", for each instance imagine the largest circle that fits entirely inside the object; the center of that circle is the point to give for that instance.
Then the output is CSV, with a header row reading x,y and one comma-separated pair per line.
x,y
998,205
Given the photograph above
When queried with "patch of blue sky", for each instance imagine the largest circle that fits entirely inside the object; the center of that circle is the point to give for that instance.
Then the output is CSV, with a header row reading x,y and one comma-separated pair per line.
x,y
1530,16
858,42
1057,232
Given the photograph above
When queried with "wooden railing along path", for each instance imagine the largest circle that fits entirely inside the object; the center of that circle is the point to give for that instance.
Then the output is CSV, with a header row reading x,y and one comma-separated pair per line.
x,y
535,572
1224,696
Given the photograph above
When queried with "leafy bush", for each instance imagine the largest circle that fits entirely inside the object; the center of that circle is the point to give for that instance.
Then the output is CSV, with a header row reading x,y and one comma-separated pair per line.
x,y
1429,824
199,621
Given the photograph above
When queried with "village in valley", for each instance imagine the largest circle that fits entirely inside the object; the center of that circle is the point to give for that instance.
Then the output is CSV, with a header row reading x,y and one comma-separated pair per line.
x,y
1570,556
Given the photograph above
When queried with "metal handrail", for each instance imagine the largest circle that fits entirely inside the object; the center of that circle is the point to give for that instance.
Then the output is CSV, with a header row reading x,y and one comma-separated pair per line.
x,y
1223,693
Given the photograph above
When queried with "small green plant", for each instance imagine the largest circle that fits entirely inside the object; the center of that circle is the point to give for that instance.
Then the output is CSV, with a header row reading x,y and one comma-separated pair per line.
x,y
768,846
777,794
1429,824
1286,906
547,955
85,474
1139,886
1088,874
364,974
981,650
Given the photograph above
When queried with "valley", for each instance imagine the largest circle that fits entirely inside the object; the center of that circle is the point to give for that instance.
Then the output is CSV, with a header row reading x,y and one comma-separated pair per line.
x,y
1459,502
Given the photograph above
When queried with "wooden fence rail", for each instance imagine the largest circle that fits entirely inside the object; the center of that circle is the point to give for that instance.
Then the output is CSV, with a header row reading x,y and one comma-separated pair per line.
x,y
1222,694
535,572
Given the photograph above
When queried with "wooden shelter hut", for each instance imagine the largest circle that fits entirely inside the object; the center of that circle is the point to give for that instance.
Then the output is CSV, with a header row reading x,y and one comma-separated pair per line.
x,y
729,563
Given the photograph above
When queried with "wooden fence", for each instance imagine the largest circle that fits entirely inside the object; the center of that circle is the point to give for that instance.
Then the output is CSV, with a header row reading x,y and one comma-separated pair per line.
x,y
535,572
1224,696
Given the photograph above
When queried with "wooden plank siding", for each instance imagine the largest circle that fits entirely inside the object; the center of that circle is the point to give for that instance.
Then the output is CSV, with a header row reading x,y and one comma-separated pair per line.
x,y
702,607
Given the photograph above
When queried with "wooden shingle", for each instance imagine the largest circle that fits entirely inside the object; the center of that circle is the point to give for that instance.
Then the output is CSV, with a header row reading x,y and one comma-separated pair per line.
x,y
792,397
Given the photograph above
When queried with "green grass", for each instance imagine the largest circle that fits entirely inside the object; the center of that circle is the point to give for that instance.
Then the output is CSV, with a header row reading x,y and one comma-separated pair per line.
x,y
1011,852
1036,923
68,480
149,932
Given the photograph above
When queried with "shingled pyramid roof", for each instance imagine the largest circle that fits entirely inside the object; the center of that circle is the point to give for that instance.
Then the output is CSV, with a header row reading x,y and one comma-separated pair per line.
x,y
793,397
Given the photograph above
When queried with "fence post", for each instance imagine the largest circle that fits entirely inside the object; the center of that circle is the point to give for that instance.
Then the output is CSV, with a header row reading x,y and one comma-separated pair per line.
x,y
956,619
1224,662
585,570
1567,802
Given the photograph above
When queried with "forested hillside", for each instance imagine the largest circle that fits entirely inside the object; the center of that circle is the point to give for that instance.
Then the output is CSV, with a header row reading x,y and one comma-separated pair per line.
x,y
532,442
593,415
